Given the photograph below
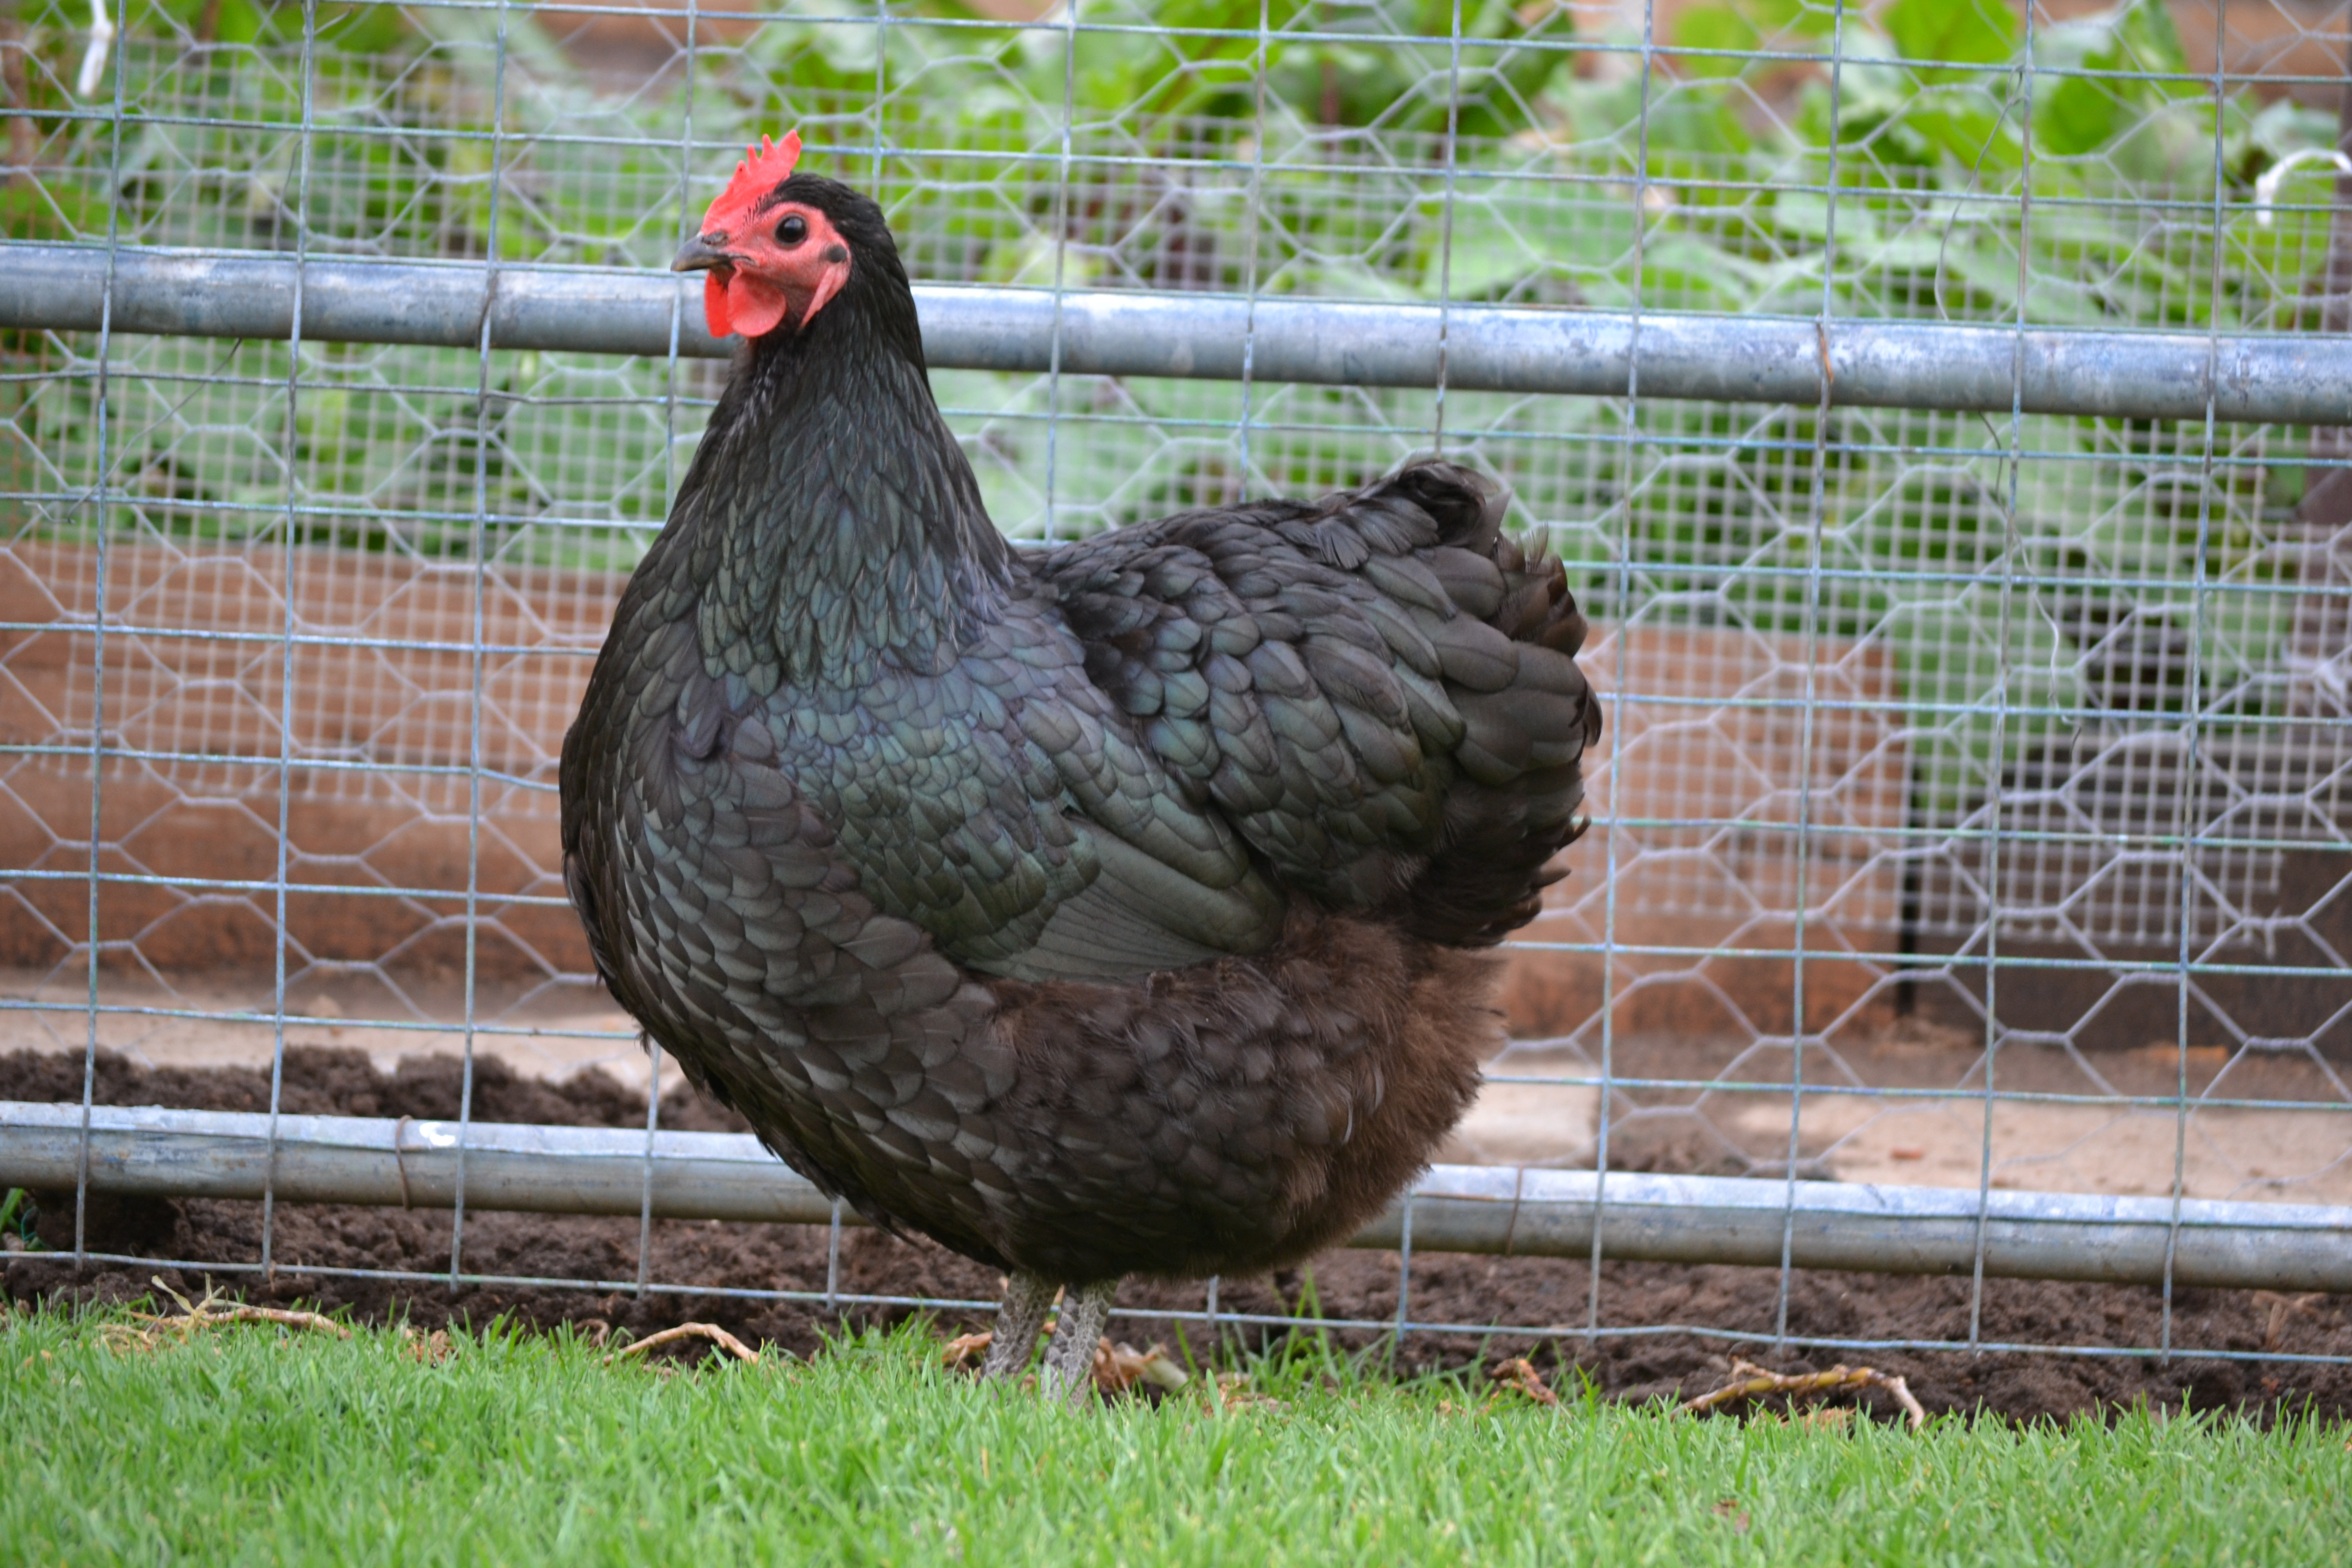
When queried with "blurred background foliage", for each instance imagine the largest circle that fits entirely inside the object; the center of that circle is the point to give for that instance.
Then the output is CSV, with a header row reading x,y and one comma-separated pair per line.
x,y
1924,128
1314,147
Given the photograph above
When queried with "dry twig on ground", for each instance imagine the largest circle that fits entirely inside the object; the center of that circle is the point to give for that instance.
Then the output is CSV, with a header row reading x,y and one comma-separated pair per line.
x,y
711,1332
207,1313
1231,1391
1519,1374
1748,1380
2282,1308
1120,1367
1116,1367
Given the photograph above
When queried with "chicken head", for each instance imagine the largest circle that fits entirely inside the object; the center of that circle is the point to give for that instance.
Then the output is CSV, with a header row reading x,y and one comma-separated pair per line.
x,y
768,261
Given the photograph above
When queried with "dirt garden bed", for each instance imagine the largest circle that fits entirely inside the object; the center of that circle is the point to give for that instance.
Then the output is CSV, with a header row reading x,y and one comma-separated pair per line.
x,y
1359,1285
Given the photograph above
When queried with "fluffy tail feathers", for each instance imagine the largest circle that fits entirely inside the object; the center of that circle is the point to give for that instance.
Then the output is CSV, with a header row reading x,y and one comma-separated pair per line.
x,y
1529,714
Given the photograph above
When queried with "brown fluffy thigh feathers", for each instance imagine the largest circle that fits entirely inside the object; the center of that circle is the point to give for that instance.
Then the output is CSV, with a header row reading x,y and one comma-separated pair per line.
x,y
1347,1027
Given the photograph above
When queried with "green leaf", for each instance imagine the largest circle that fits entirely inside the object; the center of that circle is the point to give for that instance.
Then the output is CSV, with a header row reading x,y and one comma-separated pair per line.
x,y
1804,216
1404,85
1712,27
1978,32
1798,18
2076,115
1969,129
1699,120
1682,272
2147,40
1489,254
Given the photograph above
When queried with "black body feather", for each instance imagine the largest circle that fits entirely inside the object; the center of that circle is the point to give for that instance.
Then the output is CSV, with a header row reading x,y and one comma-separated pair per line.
x,y
1095,908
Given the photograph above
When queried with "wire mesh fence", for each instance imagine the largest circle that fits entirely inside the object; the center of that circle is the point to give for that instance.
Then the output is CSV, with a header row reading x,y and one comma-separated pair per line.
x,y
1972,810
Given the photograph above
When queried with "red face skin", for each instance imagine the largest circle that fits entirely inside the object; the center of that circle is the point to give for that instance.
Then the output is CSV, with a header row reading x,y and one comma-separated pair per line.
x,y
781,266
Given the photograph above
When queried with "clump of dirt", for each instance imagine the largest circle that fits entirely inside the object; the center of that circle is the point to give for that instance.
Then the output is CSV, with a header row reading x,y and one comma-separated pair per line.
x,y
1361,1286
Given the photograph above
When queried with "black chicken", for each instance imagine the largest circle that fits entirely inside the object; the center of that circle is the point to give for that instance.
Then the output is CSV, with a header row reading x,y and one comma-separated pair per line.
x,y
1101,908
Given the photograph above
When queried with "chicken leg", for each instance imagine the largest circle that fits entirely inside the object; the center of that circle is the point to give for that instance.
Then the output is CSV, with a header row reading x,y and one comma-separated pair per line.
x,y
1070,1358
1027,1298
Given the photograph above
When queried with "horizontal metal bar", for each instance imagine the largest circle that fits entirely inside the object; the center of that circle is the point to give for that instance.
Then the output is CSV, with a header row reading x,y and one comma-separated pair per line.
x,y
157,1152
404,1163
2298,380
264,1018
213,885
1873,1229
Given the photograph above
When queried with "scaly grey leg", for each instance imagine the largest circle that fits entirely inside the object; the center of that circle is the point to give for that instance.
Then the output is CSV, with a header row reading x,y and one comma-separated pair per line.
x,y
1027,1298
1070,1359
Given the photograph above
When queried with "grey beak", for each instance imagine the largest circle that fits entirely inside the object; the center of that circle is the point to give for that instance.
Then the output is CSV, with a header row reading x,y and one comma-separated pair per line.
x,y
701,254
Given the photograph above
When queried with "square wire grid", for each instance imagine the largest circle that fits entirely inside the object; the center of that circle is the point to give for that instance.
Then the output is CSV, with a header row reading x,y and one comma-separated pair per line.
x,y
1938,743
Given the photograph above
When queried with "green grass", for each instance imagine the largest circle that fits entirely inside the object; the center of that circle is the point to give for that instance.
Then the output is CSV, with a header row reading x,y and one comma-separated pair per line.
x,y
254,1445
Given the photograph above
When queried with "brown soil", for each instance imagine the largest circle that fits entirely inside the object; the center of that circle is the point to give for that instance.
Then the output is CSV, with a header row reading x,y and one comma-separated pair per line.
x,y
1346,1285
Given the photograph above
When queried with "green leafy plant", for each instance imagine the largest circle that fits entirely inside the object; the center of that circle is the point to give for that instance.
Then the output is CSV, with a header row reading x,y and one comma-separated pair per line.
x,y
19,1216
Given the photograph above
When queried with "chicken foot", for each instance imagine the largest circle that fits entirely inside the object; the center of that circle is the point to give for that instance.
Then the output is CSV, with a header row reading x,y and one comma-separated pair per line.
x,y
1070,1358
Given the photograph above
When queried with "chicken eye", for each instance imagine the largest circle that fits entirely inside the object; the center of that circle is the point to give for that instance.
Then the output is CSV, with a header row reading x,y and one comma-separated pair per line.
x,y
792,231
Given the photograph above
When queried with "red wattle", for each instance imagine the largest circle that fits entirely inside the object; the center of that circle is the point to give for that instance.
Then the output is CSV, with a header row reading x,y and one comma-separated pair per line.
x,y
714,306
754,306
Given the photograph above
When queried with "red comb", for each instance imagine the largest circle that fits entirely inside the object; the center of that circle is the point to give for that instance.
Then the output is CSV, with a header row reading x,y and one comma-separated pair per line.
x,y
763,168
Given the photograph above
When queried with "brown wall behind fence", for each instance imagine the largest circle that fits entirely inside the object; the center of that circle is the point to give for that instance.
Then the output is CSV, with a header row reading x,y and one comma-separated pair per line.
x,y
377,803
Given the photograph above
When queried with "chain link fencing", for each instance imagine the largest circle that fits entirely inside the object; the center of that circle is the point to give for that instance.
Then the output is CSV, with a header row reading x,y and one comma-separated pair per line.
x,y
1970,827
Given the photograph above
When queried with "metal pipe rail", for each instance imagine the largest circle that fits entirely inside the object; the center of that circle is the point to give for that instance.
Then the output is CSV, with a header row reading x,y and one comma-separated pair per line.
x,y
150,1151
2284,380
